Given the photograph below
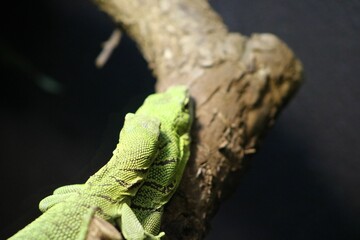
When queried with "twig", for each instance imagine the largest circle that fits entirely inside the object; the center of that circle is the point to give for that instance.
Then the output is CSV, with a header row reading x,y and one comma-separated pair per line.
x,y
108,48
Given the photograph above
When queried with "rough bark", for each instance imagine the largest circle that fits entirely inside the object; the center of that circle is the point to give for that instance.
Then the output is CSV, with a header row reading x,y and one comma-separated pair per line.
x,y
238,83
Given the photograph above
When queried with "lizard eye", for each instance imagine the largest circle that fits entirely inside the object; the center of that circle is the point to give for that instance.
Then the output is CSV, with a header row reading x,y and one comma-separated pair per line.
x,y
186,106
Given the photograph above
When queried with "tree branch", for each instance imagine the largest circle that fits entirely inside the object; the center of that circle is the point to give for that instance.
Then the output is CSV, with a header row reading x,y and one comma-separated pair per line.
x,y
238,83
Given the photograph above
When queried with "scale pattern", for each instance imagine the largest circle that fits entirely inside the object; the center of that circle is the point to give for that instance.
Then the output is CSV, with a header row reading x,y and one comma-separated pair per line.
x,y
105,191
143,173
174,110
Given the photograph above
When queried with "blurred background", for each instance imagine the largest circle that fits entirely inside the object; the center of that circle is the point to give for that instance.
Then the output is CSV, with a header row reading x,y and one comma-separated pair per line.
x,y
60,116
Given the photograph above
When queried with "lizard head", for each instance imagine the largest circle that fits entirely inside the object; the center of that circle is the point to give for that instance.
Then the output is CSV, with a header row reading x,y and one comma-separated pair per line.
x,y
184,110
173,108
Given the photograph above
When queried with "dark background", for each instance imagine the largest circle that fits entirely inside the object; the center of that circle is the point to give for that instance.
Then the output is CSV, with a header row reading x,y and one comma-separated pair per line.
x,y
60,116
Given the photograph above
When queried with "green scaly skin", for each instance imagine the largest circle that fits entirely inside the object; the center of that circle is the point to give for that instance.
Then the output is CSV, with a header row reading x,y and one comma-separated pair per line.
x,y
174,111
153,147
68,212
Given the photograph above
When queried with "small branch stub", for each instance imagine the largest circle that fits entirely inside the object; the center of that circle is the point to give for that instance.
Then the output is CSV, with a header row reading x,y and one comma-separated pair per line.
x,y
108,48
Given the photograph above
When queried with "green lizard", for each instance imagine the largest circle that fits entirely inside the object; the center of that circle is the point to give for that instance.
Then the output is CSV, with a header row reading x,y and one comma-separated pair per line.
x,y
159,133
107,193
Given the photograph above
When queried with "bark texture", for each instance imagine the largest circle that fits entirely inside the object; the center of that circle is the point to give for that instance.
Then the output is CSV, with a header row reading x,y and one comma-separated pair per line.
x,y
238,84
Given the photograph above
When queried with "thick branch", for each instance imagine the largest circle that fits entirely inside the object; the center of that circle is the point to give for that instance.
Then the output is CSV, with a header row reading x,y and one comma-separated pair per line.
x,y
239,84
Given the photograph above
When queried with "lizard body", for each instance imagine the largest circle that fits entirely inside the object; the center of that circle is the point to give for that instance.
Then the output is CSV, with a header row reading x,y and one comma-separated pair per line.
x,y
146,168
106,192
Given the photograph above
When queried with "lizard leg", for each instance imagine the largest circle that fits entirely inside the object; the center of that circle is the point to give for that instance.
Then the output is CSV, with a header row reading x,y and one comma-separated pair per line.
x,y
69,189
152,222
60,194
52,200
130,226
